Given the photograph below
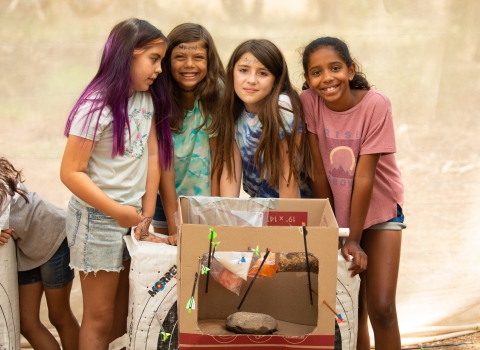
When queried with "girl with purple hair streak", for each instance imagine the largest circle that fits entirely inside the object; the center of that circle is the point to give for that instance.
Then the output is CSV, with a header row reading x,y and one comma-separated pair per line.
x,y
118,137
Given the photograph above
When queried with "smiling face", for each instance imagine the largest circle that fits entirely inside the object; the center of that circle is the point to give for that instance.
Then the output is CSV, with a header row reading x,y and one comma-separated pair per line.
x,y
329,76
252,81
189,64
146,66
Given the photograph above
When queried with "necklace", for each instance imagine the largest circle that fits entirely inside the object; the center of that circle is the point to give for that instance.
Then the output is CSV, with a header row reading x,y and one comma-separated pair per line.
x,y
187,91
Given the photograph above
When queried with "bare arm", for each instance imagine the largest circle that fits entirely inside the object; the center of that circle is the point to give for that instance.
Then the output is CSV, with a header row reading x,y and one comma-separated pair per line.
x,y
215,185
230,186
142,231
287,189
153,174
319,184
72,173
362,194
169,199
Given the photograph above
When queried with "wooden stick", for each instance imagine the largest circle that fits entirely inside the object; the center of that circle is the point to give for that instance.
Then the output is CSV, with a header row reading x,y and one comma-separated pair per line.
x,y
336,315
209,259
306,261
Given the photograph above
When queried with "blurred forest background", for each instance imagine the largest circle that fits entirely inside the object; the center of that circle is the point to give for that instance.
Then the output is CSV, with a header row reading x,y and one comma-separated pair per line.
x,y
423,54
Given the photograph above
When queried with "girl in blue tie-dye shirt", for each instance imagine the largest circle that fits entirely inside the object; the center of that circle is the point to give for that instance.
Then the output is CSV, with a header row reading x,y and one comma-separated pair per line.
x,y
263,135
196,78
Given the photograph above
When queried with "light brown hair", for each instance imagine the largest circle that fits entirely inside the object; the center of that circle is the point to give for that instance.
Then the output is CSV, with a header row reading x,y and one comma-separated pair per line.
x,y
208,90
9,179
267,157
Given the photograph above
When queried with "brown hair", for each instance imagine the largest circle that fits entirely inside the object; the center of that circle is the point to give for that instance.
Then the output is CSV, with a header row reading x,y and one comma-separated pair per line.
x,y
208,89
268,152
9,179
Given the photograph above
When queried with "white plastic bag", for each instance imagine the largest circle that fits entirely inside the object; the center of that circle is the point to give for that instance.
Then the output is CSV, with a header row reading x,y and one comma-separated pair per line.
x,y
9,307
236,262
223,276
152,295
347,303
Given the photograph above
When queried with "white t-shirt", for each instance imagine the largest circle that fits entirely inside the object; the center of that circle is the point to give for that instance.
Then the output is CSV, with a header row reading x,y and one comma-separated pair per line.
x,y
122,178
5,211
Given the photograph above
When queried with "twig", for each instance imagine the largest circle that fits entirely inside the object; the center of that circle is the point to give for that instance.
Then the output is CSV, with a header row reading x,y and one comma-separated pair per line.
x,y
438,345
254,278
306,260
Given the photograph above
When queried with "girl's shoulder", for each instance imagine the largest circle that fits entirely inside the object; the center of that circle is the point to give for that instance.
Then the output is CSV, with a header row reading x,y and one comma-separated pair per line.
x,y
309,94
142,99
377,98
284,101
310,99
286,108
91,104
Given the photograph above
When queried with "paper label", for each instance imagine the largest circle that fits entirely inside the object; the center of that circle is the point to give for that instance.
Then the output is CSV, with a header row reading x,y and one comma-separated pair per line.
x,y
287,218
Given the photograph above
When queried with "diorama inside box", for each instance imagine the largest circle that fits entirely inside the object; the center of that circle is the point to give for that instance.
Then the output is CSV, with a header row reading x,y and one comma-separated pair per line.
x,y
285,296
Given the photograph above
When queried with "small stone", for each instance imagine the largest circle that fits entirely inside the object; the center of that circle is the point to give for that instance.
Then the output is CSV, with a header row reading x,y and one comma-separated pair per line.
x,y
251,323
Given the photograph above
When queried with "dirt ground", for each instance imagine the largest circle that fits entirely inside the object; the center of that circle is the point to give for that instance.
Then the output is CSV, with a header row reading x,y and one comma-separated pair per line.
x,y
470,341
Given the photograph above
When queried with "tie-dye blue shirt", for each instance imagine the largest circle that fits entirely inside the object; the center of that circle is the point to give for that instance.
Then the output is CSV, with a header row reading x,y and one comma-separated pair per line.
x,y
248,130
192,155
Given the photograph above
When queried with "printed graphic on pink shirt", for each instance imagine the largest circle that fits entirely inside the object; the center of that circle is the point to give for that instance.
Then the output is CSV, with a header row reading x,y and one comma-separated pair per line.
x,y
342,158
342,162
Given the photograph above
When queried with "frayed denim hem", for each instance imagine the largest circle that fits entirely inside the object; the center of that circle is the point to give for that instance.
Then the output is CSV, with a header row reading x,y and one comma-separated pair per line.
x,y
87,271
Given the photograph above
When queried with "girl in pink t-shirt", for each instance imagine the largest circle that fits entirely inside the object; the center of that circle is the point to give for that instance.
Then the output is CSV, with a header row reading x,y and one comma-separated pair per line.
x,y
350,131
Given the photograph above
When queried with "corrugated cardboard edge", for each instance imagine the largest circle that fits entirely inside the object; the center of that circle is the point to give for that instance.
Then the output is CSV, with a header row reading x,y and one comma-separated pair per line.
x,y
322,242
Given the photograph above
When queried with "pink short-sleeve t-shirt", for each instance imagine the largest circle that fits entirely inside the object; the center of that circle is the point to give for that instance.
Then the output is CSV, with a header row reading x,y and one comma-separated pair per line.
x,y
367,128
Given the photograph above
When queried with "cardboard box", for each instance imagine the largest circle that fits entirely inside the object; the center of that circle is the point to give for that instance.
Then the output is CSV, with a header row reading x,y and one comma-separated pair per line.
x,y
285,296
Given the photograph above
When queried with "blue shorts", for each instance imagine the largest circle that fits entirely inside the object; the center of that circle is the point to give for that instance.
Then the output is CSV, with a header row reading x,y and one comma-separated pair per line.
x,y
395,224
95,239
54,274
159,219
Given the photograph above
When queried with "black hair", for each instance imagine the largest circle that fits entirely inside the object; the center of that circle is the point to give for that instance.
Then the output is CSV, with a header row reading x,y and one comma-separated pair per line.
x,y
359,81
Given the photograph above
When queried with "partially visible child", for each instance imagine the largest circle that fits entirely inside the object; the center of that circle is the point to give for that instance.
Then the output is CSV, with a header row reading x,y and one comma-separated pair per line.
x,y
38,228
196,78
111,164
350,130
262,134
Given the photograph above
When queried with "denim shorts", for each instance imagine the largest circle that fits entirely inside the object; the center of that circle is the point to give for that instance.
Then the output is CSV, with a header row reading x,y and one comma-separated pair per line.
x,y
395,224
159,219
95,239
54,274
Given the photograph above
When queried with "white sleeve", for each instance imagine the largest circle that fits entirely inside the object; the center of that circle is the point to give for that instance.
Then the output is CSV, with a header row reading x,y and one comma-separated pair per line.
x,y
90,126
5,214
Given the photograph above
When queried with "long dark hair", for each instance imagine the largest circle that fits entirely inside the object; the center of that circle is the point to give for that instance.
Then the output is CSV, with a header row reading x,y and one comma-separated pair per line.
x,y
111,85
267,157
208,90
359,81
9,180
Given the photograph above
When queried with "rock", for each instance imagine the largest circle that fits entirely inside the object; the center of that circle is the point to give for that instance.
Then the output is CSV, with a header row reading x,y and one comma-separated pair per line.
x,y
251,323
